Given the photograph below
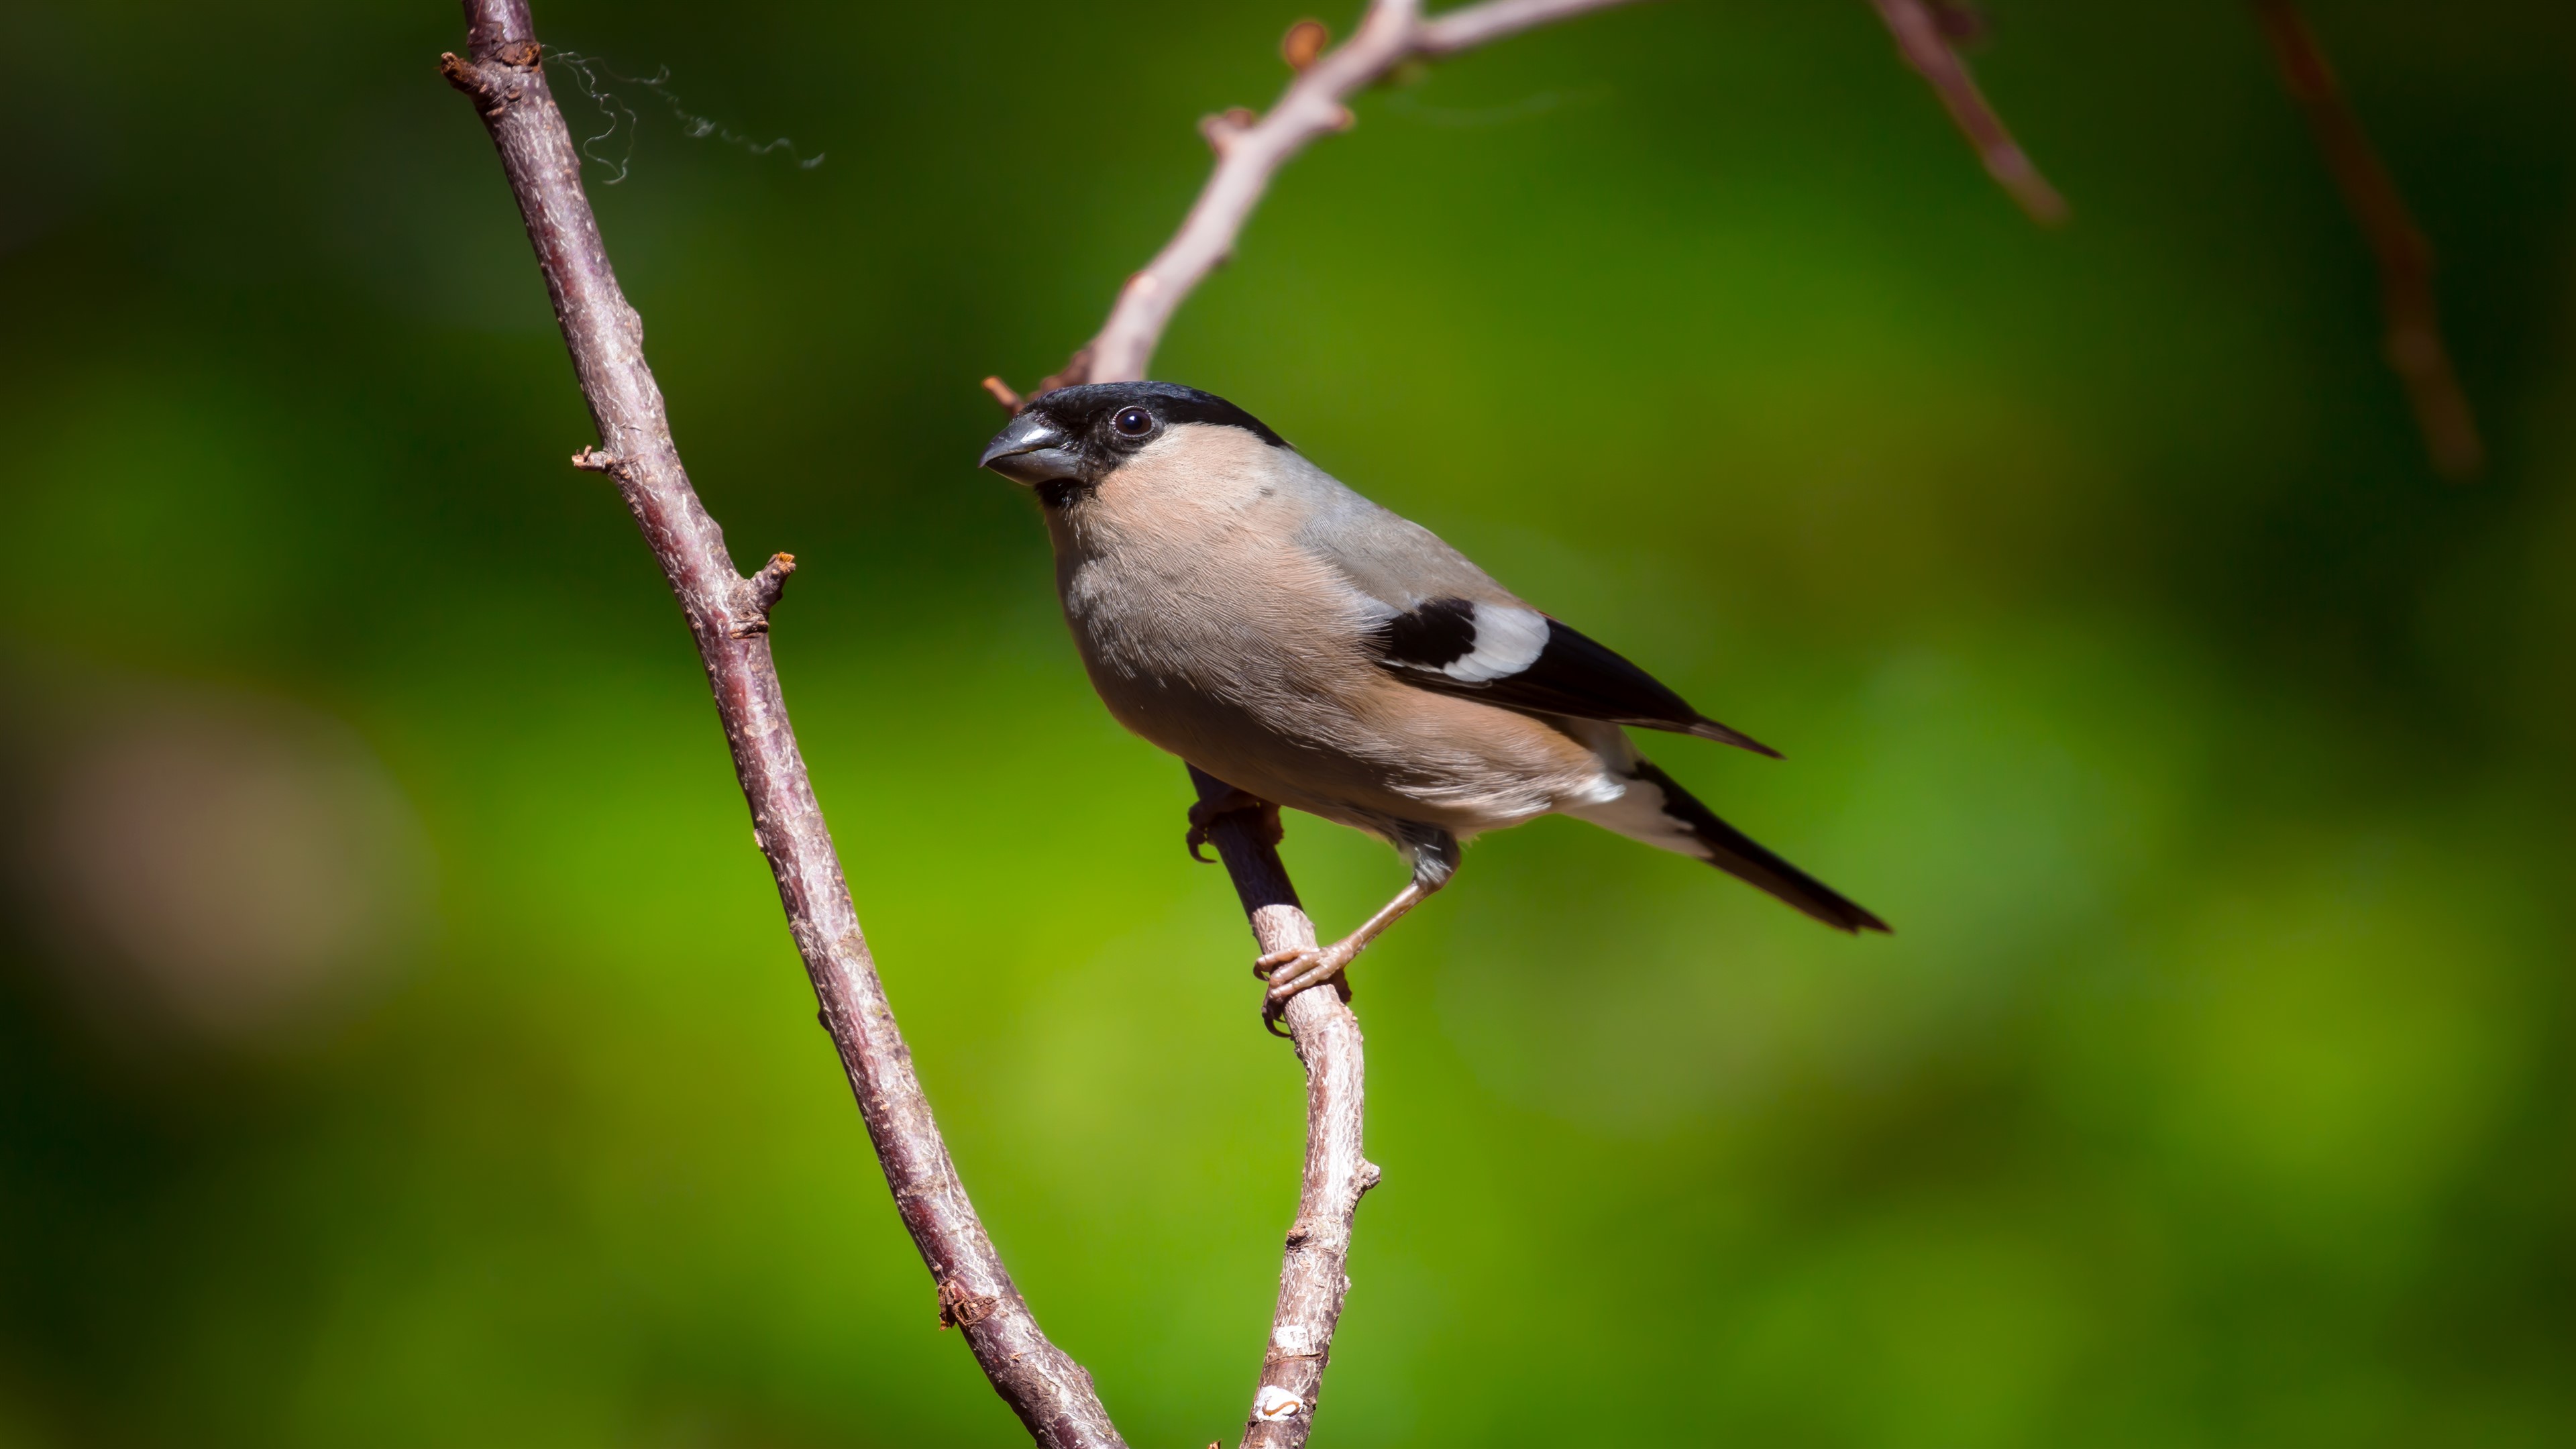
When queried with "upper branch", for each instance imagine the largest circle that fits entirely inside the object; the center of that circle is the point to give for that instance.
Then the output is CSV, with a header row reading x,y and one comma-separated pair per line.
x,y
1251,149
728,615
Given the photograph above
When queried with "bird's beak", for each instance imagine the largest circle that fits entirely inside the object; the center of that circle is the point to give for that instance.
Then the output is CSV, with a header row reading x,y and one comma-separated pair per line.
x,y
1032,451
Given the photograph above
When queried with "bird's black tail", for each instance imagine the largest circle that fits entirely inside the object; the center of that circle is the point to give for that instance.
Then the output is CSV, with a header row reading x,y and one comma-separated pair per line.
x,y
1658,811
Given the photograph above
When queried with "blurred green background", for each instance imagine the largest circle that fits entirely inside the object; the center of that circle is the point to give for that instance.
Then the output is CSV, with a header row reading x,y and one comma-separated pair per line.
x,y
399,1044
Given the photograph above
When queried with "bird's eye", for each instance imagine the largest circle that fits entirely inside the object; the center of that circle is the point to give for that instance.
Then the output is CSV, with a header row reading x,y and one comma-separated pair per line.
x,y
1133,422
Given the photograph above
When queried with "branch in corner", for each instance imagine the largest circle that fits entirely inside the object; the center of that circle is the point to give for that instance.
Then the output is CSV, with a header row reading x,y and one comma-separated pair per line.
x,y
2414,344
1927,34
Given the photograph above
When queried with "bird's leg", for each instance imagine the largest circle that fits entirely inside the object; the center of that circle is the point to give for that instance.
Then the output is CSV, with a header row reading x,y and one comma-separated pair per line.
x,y
1435,859
1316,965
1204,813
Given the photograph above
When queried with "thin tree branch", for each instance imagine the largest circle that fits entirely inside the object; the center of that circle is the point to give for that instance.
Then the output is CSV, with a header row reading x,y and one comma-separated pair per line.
x,y
1311,1277
2414,337
1924,36
727,616
1250,150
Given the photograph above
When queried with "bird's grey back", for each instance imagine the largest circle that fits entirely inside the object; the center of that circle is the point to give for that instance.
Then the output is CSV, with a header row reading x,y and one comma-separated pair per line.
x,y
1385,555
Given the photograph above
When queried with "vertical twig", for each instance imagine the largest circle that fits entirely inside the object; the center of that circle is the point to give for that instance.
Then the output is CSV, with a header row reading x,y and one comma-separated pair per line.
x,y
1925,41
728,617
2413,345
1312,1280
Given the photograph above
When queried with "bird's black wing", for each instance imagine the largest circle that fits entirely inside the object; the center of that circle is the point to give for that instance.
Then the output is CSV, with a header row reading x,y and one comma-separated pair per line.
x,y
1513,656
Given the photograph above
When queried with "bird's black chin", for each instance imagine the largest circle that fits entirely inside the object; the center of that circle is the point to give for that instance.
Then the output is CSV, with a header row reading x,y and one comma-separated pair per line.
x,y
1062,493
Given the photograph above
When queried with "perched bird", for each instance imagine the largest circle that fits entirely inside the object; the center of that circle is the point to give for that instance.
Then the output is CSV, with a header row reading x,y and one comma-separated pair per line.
x,y
1238,606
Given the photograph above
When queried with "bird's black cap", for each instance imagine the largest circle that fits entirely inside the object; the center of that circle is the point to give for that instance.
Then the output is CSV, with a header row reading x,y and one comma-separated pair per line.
x,y
1077,409
1079,435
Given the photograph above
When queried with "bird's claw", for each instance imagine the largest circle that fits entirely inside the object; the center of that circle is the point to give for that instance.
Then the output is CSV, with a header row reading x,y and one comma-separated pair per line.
x,y
1296,969
1204,814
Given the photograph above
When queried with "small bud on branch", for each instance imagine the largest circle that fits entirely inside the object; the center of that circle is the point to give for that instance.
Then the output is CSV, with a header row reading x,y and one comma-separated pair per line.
x,y
1304,44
